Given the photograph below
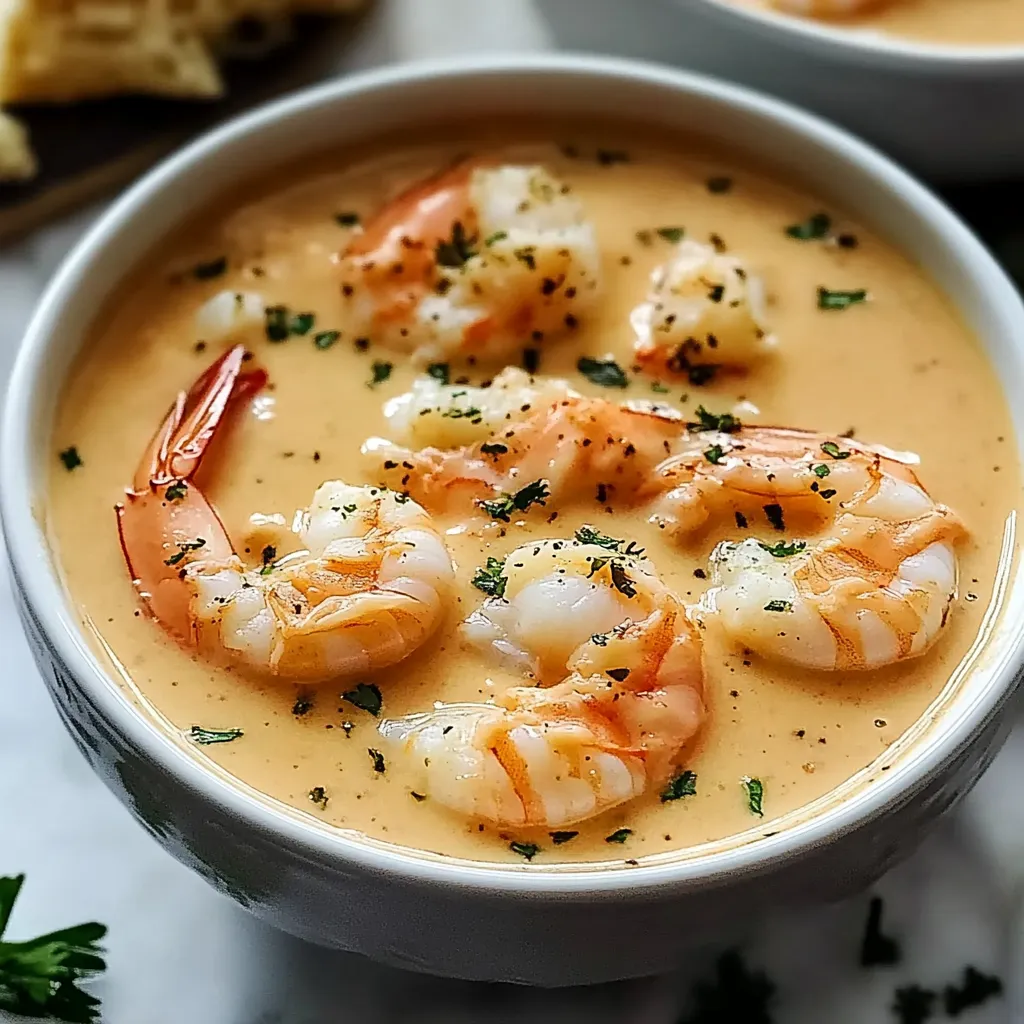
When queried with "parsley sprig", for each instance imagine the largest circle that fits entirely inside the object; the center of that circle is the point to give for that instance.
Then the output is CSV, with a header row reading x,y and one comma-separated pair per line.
x,y
39,977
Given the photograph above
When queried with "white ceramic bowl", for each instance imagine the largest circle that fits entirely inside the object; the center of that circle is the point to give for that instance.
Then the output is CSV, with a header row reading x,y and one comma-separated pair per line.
x,y
949,112
549,925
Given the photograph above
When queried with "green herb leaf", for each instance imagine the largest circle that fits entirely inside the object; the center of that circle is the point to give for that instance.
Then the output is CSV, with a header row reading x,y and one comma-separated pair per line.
x,y
204,737
828,299
684,784
821,471
671,234
526,256
455,413
276,323
779,606
562,837
381,372
302,706
377,759
621,581
816,226
440,372
714,454
176,491
498,236
40,977
456,251
783,550
185,548
877,949
490,578
210,268
319,796
502,508
755,795
366,697
606,373
619,836
833,451
588,535
268,555
527,850
325,339
71,458
348,219
726,422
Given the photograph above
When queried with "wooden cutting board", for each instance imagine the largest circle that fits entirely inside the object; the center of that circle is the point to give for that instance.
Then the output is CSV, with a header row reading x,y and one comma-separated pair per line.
x,y
88,149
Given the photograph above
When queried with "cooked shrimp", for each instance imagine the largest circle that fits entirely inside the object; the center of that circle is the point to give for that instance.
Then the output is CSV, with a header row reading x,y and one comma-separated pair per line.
x,y
366,592
612,729
473,263
550,596
227,314
875,590
575,446
704,308
456,415
828,8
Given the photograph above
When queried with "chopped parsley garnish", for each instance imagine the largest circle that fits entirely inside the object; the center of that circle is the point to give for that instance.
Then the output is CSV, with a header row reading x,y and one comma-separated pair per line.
x,y
833,451
325,339
606,373
671,234
588,535
381,372
493,448
489,578
726,422
701,374
210,268
716,292
366,697
976,989
828,299
440,372
184,548
913,1005
684,784
877,949
817,225
755,795
498,236
347,219
527,850
562,837
719,184
319,796
714,454
658,388
71,458
644,237
783,550
377,760
276,323
204,737
779,606
619,835
502,508
268,555
39,977
773,513
418,797
526,256
821,471
457,250
302,706
737,995
176,491
455,413
620,579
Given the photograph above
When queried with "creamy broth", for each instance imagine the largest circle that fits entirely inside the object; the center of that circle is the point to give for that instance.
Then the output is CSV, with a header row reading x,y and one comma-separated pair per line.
x,y
899,369
947,22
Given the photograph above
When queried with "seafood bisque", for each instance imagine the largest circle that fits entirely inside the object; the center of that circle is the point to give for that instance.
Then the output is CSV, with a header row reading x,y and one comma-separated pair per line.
x,y
949,22
594,500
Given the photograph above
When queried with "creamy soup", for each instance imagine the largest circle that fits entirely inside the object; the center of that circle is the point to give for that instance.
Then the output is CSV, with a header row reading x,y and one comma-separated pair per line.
x,y
947,22
892,365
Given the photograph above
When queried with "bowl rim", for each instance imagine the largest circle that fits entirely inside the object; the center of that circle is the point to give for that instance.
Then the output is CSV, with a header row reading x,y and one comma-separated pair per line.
x,y
878,48
45,596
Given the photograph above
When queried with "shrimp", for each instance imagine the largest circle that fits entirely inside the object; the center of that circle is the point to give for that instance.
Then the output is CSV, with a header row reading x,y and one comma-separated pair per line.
x,y
472,263
368,589
573,446
550,596
874,590
828,8
228,314
610,730
704,309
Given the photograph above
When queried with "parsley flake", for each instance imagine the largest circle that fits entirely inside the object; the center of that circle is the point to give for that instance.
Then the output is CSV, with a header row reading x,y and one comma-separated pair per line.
x,y
816,226
783,550
778,606
671,234
377,760
562,837
501,508
821,471
714,454
619,836
185,548
828,299
71,458
366,697
490,578
588,535
684,784
726,422
833,451
456,251
606,373
268,555
381,372
527,850
325,339
755,795
176,491
319,796
204,737
493,448
440,372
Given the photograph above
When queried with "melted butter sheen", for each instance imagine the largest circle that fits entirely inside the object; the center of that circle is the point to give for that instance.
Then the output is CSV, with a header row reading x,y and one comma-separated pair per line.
x,y
901,369
947,22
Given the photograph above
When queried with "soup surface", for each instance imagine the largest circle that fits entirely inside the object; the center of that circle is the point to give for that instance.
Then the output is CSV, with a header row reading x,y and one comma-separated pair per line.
x,y
897,368
946,22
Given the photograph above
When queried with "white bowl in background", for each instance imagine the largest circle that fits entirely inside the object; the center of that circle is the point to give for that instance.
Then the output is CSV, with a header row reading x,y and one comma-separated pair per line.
x,y
551,925
950,113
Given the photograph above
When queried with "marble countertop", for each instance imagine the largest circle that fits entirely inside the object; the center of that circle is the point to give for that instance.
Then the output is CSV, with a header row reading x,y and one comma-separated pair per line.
x,y
179,951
